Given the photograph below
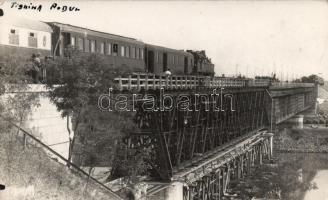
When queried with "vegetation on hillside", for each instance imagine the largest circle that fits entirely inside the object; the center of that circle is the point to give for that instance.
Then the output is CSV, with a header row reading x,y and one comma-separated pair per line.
x,y
28,172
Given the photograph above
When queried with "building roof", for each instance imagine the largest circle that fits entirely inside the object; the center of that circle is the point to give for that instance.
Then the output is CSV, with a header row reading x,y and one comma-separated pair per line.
x,y
25,23
77,29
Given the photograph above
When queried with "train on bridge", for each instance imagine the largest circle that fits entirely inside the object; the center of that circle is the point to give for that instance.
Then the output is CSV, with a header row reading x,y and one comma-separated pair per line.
x,y
23,38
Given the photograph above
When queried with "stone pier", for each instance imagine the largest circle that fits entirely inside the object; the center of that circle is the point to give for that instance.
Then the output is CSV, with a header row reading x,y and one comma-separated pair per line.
x,y
296,121
174,191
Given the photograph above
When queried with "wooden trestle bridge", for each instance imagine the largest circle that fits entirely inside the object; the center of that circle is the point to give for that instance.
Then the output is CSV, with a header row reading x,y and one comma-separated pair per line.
x,y
198,150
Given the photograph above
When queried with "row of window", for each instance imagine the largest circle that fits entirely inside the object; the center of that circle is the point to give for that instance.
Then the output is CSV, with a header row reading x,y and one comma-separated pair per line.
x,y
175,59
132,52
87,45
32,40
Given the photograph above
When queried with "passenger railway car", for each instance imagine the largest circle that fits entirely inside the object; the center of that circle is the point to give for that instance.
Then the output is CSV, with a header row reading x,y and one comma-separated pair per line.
x,y
159,59
118,51
21,38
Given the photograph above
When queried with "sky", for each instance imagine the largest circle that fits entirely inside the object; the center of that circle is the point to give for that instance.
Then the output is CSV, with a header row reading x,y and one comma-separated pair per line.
x,y
289,38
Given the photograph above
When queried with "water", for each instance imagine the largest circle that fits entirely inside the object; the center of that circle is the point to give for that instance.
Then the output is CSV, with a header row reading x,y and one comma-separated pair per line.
x,y
321,180
302,176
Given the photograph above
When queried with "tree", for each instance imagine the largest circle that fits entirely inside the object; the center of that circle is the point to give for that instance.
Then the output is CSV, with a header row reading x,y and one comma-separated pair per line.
x,y
13,77
310,79
82,79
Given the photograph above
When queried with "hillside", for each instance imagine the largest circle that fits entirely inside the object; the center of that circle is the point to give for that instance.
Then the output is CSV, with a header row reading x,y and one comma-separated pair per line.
x,y
29,173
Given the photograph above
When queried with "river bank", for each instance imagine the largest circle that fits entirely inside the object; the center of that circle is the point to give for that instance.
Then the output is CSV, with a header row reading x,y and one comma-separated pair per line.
x,y
307,140
287,176
295,172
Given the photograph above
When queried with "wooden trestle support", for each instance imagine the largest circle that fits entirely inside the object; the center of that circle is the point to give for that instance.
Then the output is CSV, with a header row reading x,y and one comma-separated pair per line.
x,y
181,138
233,166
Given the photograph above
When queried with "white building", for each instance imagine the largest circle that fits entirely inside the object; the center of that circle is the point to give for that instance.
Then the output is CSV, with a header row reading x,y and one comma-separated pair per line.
x,y
30,36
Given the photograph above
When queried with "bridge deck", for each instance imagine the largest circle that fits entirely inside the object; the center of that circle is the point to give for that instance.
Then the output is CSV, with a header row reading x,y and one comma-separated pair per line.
x,y
215,159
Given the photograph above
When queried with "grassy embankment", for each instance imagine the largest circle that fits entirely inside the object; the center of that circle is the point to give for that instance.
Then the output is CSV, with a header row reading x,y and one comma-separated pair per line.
x,y
29,173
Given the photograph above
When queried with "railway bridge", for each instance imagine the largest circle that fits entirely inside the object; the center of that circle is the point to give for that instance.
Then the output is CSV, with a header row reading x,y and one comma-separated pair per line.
x,y
227,128
206,132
